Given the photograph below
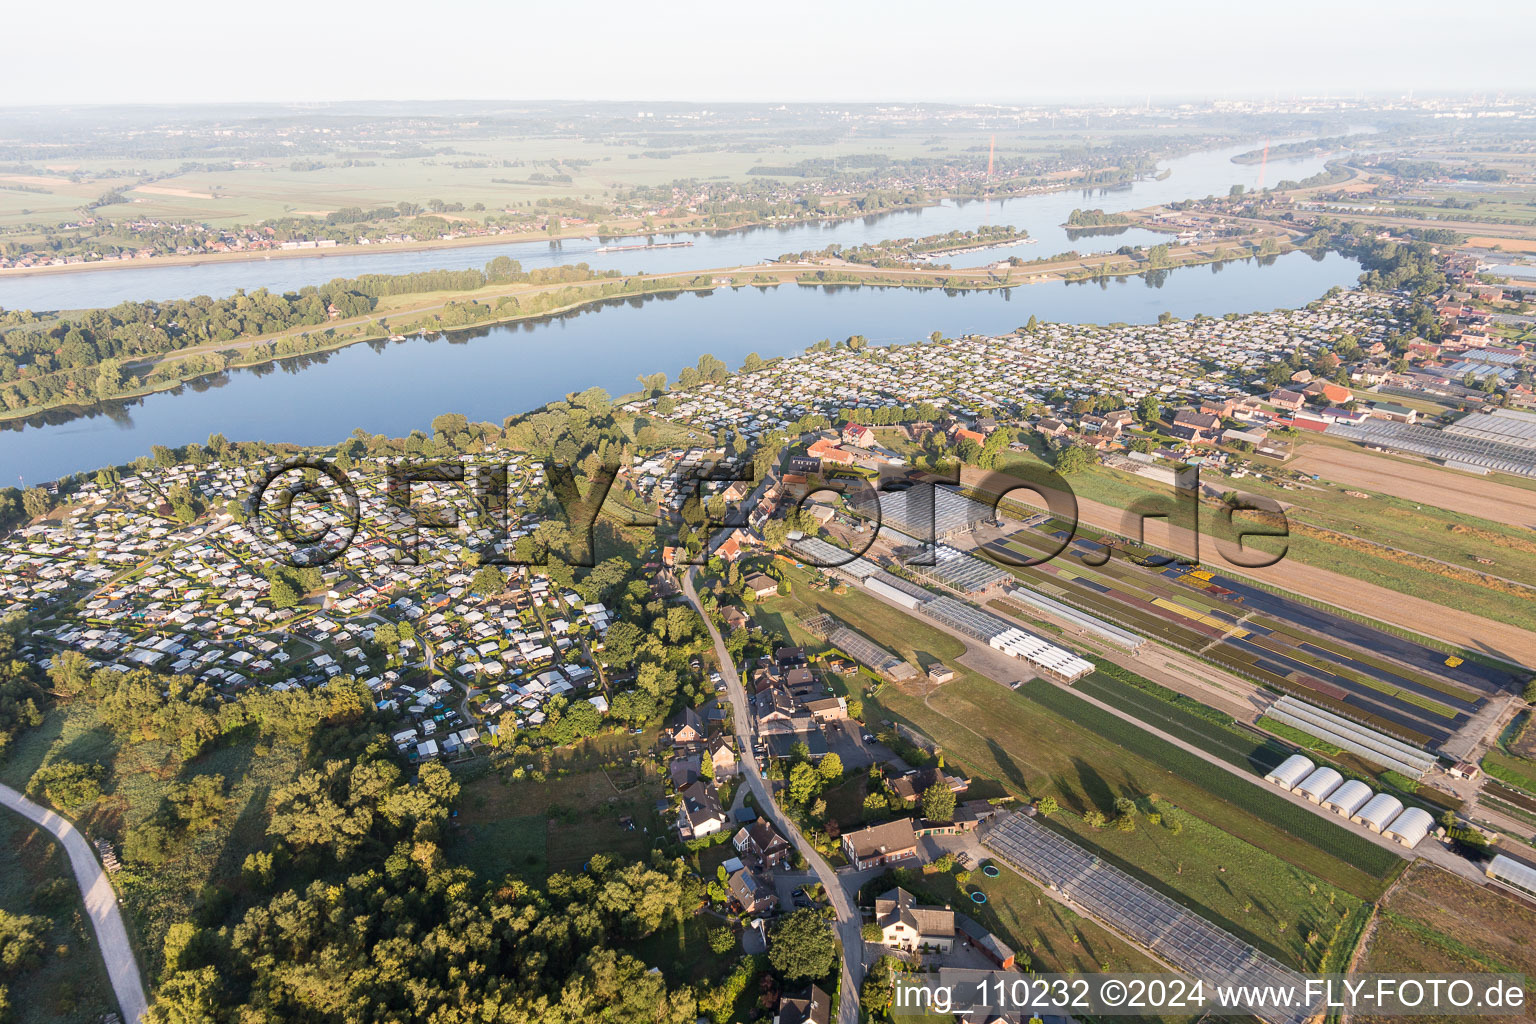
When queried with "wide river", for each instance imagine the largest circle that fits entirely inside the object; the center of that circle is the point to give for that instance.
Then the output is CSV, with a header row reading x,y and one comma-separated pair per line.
x,y
1190,177
392,388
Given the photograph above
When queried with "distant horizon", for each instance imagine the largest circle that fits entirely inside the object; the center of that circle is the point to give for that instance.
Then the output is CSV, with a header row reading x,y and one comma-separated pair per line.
x,y
1085,99
290,51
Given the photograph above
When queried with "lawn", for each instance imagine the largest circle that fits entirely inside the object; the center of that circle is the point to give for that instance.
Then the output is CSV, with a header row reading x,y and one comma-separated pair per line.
x,y
524,827
70,985
910,638
1035,752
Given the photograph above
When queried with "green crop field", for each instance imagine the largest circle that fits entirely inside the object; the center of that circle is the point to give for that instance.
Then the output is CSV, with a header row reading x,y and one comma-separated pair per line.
x,y
1036,751
1241,747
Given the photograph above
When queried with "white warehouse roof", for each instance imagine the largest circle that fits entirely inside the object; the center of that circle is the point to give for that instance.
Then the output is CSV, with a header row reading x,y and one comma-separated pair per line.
x,y
1291,771
1410,826
1319,784
1348,798
1377,812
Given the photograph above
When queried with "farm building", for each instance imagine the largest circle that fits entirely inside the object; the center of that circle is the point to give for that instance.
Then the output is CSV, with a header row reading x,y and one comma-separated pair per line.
x,y
1290,771
1409,827
1511,872
1319,784
1377,812
1348,798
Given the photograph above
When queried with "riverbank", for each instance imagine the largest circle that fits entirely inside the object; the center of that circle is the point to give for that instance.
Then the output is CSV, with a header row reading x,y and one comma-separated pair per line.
x,y
407,315
585,232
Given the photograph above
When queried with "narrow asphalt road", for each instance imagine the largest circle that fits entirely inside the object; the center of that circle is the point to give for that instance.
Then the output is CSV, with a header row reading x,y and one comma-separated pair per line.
x,y
849,921
100,904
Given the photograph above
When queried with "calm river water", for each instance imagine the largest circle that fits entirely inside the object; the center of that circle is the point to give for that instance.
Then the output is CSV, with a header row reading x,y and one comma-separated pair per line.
x,y
489,374
1191,177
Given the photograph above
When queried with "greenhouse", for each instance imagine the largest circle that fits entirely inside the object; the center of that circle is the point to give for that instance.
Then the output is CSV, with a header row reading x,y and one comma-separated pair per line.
x,y
1290,771
1511,872
1410,827
1348,798
1319,784
1378,812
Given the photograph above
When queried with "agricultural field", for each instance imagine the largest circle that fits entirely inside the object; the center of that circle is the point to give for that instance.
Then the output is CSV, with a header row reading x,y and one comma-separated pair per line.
x,y
70,984
1237,627
1232,743
1085,761
502,170
1436,922
1507,499
1460,585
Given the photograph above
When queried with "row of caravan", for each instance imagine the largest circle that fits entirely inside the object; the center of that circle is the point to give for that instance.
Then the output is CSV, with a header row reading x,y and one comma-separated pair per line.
x,y
1352,799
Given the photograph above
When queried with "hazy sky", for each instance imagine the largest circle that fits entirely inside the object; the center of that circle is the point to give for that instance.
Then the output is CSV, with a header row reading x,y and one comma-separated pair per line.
x,y
106,51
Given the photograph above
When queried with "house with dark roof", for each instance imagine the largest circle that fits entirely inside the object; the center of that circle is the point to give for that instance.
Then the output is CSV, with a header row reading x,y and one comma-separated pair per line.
x,y
1195,427
911,787
699,813
905,924
750,893
761,846
814,1007
998,951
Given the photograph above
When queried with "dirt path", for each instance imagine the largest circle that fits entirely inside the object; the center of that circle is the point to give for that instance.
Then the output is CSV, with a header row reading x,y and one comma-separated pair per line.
x,y
1443,488
100,904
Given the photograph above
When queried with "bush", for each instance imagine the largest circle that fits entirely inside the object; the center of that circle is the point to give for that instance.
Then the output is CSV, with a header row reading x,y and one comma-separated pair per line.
x,y
22,940
67,784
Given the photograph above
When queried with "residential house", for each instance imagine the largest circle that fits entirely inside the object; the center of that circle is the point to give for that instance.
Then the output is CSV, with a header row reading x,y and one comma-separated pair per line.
x,y
1287,400
911,786
750,893
828,451
722,757
814,1007
762,585
904,924
700,814
689,728
1195,427
880,844
761,846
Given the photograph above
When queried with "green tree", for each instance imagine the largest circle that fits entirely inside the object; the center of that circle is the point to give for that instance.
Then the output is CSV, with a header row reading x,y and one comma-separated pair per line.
x,y
1075,459
803,947
722,939
488,581
939,802
830,767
